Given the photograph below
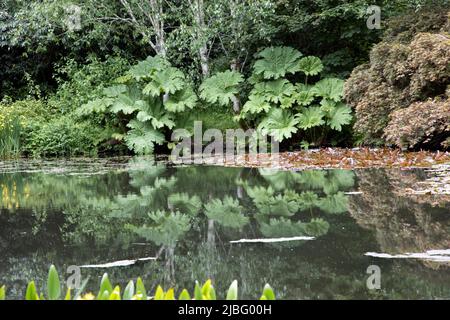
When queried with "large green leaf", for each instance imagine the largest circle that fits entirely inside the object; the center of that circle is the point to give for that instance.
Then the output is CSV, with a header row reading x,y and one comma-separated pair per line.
x,y
153,111
145,69
221,87
181,100
166,81
276,62
339,116
280,124
95,106
125,104
311,117
329,88
311,66
256,104
115,91
142,137
275,90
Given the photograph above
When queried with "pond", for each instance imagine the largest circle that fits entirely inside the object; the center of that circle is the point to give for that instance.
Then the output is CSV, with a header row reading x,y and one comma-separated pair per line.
x,y
190,223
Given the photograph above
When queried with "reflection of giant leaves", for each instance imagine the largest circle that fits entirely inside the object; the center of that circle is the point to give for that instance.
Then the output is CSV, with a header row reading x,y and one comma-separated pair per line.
x,y
307,200
276,62
183,203
227,213
312,179
279,180
221,87
338,180
317,227
285,206
165,229
334,204
311,66
259,193
142,137
283,228
329,88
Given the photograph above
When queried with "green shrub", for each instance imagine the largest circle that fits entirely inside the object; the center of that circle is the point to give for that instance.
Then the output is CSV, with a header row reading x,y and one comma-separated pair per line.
x,y
401,96
80,83
61,136
14,117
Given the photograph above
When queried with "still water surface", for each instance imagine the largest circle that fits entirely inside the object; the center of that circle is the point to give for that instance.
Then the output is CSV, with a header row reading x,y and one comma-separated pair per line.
x,y
84,213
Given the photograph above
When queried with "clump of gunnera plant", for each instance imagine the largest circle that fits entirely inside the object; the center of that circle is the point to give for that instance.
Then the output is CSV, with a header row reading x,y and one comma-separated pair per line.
x,y
401,96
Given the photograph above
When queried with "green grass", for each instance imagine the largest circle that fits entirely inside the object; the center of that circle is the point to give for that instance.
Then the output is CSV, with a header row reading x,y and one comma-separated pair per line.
x,y
10,139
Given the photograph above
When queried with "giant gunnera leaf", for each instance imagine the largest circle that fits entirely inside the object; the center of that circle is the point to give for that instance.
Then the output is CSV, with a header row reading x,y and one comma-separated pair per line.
x,y
311,117
280,124
142,137
275,90
329,88
221,87
339,116
276,62
256,104
311,66
167,81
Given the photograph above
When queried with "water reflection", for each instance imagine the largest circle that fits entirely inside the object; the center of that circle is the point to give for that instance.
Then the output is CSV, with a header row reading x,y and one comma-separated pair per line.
x,y
186,217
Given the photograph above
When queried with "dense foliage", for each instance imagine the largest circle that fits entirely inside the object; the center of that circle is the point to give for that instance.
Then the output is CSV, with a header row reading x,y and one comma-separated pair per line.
x,y
402,96
277,66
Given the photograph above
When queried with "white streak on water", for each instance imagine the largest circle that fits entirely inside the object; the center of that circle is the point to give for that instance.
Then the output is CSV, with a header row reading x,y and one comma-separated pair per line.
x,y
272,240
120,263
431,255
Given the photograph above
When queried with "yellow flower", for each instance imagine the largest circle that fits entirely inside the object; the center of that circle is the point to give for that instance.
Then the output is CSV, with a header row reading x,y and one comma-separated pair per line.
x,y
87,296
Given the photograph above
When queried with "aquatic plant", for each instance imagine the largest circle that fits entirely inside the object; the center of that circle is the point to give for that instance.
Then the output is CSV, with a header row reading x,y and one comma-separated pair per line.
x,y
132,291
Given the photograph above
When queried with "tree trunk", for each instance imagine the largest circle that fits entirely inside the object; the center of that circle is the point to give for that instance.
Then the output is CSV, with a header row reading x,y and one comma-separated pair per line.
x,y
235,98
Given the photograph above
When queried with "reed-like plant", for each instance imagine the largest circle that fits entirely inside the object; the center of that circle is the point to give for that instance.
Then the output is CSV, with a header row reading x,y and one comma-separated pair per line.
x,y
10,138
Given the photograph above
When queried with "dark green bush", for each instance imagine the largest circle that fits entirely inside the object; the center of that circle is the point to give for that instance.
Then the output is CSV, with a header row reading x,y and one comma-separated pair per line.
x,y
61,136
